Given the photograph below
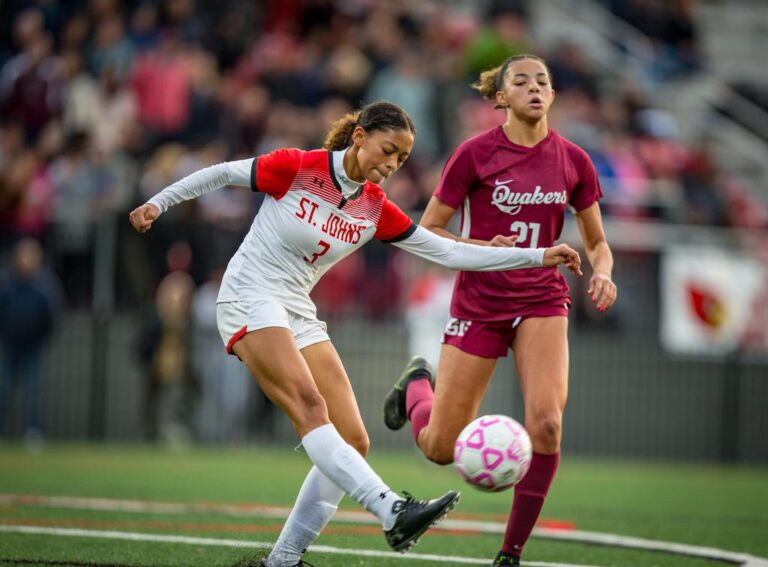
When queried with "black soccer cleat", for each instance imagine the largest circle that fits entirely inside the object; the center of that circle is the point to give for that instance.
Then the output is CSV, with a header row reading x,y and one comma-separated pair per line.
x,y
505,560
394,404
414,517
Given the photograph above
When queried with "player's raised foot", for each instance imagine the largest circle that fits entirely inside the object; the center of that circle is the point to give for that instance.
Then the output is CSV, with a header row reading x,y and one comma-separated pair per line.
x,y
414,517
505,560
394,405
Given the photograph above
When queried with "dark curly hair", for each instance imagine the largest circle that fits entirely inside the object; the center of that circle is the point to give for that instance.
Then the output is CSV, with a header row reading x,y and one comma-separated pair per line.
x,y
375,116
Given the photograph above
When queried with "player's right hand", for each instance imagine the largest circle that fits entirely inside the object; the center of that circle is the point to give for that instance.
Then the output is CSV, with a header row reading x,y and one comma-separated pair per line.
x,y
563,254
503,241
142,217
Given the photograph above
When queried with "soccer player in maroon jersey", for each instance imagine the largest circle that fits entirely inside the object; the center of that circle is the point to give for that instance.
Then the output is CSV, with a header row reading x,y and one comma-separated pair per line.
x,y
321,206
515,180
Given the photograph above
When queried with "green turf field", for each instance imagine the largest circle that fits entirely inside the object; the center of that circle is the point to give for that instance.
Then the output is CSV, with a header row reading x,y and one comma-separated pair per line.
x,y
211,500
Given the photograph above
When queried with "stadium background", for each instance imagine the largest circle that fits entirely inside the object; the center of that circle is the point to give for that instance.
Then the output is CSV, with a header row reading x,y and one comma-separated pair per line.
x,y
103,103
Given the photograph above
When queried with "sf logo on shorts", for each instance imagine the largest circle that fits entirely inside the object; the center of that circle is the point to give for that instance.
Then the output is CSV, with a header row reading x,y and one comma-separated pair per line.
x,y
456,327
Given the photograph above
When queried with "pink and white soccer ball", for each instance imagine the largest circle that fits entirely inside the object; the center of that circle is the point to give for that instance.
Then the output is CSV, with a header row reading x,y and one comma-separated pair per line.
x,y
493,453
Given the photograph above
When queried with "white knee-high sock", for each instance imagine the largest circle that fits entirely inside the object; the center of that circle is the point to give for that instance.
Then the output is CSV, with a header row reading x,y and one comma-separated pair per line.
x,y
337,460
315,506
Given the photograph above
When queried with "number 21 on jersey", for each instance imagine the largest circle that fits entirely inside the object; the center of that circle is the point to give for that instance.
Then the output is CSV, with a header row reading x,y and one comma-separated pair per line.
x,y
522,229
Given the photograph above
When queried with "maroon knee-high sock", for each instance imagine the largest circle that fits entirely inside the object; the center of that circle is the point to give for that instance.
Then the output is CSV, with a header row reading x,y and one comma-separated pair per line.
x,y
418,405
529,498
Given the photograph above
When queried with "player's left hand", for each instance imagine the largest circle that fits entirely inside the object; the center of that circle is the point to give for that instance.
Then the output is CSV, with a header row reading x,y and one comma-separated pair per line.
x,y
603,290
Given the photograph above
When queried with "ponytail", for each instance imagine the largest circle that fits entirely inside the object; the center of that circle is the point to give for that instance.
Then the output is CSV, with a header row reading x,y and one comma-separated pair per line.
x,y
486,84
375,116
340,135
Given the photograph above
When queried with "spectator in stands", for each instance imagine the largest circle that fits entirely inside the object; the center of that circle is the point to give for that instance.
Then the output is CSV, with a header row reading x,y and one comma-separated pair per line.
x,y
225,391
573,69
671,30
81,184
28,308
167,355
111,48
26,203
29,86
704,198
407,83
680,38
506,34
163,87
429,299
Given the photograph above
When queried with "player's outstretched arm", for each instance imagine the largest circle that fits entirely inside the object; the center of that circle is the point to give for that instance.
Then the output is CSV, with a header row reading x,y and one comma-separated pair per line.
x,y
191,187
472,257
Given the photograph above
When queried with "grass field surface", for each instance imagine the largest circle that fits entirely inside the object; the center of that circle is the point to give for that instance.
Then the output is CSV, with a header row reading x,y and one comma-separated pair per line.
x,y
131,506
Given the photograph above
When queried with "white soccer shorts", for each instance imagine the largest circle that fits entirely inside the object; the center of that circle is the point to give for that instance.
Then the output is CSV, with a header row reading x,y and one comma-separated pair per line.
x,y
236,318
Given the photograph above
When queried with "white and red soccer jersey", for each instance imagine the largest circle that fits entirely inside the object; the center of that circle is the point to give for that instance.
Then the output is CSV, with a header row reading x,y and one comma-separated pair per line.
x,y
304,227
312,217
505,188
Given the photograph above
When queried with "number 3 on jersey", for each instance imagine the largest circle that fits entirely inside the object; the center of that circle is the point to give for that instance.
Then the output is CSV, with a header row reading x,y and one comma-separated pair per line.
x,y
324,248
521,228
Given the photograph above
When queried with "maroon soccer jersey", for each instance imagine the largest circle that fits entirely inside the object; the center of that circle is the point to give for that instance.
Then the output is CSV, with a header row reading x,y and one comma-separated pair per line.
x,y
504,188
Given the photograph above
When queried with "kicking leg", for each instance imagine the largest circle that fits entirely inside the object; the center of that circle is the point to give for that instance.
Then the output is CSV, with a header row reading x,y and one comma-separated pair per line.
x,y
282,373
319,496
284,376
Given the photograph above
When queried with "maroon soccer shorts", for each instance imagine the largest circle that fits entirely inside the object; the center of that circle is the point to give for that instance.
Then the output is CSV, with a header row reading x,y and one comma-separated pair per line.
x,y
492,339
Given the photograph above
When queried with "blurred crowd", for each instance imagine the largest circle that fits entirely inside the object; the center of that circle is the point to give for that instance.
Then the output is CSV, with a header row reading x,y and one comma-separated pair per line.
x,y
669,26
105,102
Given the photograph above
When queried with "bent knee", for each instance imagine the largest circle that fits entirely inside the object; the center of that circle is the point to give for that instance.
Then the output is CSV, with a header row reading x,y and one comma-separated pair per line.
x,y
545,432
439,452
311,410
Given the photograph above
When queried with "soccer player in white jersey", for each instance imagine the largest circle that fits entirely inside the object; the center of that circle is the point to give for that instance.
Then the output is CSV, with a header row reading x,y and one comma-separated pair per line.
x,y
319,207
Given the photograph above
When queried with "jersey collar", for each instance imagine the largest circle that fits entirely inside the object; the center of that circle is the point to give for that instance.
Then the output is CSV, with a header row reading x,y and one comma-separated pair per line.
x,y
348,188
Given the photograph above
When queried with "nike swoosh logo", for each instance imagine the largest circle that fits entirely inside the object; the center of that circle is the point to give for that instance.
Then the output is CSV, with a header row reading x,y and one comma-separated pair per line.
x,y
503,182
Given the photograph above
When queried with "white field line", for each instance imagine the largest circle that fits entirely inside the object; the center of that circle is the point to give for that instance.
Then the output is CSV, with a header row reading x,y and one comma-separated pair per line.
x,y
281,512
133,536
711,553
